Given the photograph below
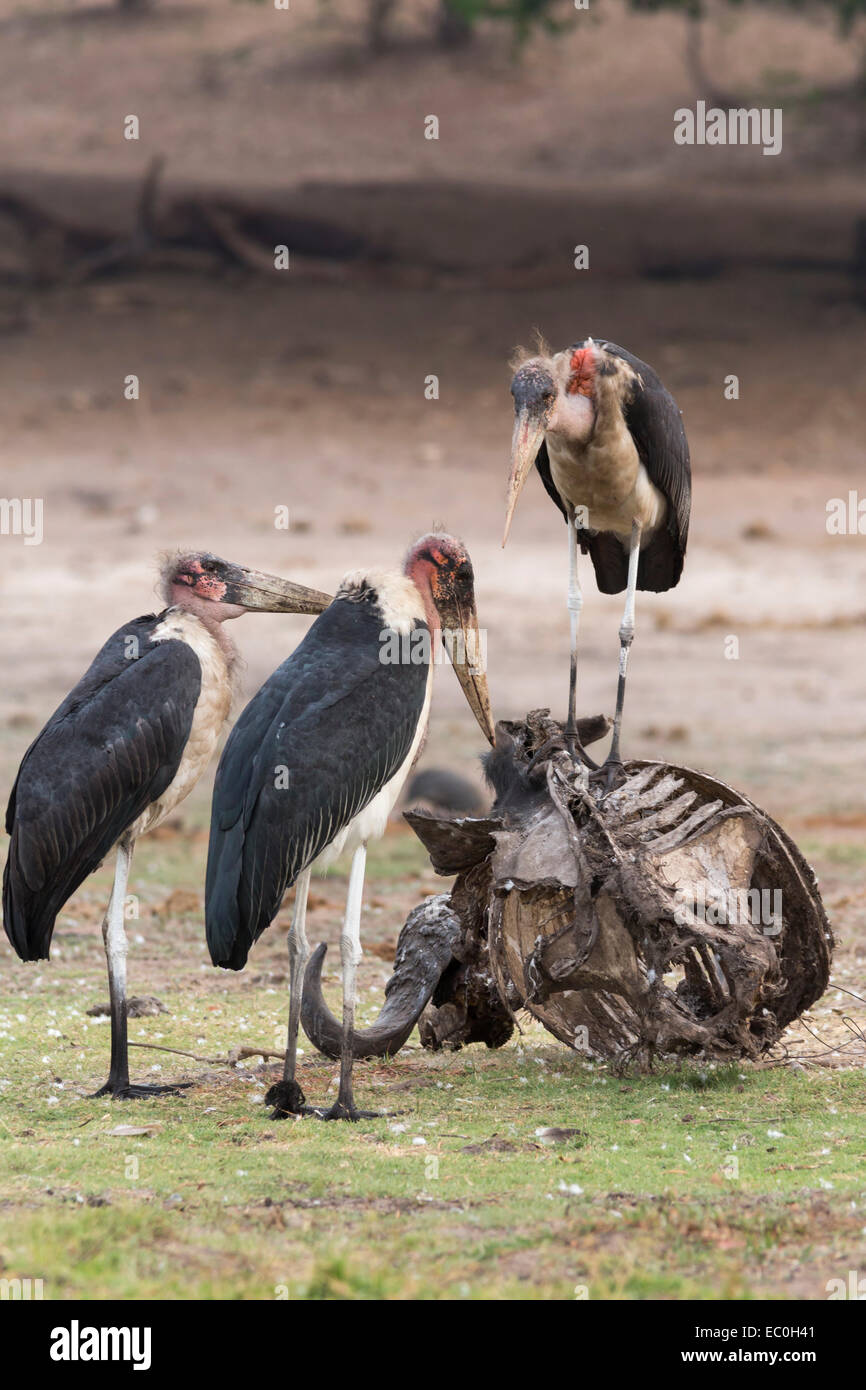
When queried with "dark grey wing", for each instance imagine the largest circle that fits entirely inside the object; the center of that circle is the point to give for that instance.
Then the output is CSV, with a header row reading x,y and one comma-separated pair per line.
x,y
325,733
542,463
110,749
609,560
656,425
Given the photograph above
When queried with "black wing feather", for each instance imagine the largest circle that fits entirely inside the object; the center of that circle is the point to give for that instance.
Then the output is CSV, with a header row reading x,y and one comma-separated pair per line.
x,y
111,748
542,463
609,560
323,735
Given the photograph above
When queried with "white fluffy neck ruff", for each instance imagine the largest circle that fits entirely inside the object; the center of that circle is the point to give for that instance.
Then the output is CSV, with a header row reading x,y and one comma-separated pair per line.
x,y
397,598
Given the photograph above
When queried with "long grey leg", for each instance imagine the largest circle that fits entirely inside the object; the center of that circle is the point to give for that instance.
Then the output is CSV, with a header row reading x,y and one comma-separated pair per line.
x,y
299,950
575,605
116,948
626,636
286,1096
350,955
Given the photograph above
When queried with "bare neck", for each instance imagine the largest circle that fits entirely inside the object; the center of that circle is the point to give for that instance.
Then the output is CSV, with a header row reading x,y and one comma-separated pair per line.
x,y
212,616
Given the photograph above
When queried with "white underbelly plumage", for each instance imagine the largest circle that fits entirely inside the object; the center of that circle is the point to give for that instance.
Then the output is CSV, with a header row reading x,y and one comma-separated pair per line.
x,y
211,712
611,483
370,823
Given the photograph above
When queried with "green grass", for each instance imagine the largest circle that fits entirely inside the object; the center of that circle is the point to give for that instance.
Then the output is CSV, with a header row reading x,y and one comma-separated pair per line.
x,y
845,855
692,1182
689,1182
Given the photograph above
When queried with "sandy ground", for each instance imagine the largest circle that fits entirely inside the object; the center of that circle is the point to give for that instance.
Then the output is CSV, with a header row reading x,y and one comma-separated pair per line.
x,y
313,399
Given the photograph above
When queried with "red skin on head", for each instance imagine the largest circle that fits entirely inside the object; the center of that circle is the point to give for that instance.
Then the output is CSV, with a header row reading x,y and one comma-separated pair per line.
x,y
207,586
582,379
423,573
210,587
426,565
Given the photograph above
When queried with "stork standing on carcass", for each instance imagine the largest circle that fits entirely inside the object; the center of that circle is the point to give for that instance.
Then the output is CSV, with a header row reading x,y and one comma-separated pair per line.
x,y
127,744
317,761
608,441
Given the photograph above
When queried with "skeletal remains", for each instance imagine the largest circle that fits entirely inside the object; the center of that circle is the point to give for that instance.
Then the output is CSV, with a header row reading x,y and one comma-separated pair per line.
x,y
668,916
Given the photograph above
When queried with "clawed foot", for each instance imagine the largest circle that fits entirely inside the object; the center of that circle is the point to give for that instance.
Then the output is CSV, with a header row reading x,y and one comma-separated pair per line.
x,y
126,1091
552,745
576,750
611,774
287,1098
339,1111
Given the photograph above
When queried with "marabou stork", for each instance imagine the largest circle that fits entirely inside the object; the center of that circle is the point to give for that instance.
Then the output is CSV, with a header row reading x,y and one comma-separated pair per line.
x,y
317,761
127,744
608,441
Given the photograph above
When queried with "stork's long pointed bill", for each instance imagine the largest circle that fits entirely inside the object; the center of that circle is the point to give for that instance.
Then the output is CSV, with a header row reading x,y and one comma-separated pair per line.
x,y
467,651
525,444
267,593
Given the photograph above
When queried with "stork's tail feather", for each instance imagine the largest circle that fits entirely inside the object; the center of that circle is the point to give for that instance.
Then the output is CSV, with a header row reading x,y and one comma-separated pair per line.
x,y
240,900
227,943
235,958
28,928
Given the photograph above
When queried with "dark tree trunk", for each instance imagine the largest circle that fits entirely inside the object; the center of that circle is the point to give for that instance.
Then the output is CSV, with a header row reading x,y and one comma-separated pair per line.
x,y
453,31
378,17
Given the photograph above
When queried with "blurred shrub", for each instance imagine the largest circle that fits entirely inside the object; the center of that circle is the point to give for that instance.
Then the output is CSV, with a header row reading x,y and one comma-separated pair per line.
x,y
846,11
